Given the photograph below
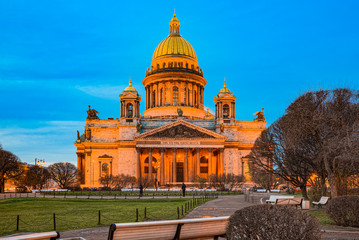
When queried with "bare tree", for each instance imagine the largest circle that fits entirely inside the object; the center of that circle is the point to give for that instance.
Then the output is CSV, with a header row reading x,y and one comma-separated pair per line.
x,y
146,182
275,152
63,173
123,180
107,181
34,177
10,167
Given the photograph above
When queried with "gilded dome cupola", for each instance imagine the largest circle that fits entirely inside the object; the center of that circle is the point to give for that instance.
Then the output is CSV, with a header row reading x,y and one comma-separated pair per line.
x,y
174,83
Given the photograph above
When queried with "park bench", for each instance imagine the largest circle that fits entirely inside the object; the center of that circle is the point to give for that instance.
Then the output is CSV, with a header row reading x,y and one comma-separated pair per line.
x,y
261,190
297,202
273,198
322,201
195,228
35,236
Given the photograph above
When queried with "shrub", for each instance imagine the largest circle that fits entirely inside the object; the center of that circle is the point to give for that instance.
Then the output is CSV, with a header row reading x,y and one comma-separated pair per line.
x,y
344,210
272,222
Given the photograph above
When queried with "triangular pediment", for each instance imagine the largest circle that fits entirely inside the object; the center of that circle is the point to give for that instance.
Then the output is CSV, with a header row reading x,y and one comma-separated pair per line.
x,y
180,130
129,94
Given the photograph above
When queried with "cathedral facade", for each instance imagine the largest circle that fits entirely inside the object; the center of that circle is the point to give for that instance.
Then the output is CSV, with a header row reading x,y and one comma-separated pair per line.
x,y
176,139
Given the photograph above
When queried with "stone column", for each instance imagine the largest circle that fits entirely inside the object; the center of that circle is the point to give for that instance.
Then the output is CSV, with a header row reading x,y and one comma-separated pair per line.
x,y
147,96
234,110
174,173
210,171
151,98
138,163
100,169
192,102
171,93
157,95
185,172
150,162
187,94
162,166
111,168
198,170
198,95
221,162
79,167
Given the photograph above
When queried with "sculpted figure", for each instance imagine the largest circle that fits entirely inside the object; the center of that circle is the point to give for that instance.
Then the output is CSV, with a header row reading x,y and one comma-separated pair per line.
x,y
92,113
138,126
180,112
259,116
88,134
221,127
78,135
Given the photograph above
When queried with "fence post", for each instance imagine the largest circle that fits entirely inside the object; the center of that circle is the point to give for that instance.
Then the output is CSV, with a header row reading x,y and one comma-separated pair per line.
x,y
99,217
145,213
17,222
54,217
136,214
178,213
182,209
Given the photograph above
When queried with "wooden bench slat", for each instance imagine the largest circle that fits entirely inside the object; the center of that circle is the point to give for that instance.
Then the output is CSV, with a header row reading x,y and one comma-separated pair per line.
x,y
35,236
191,228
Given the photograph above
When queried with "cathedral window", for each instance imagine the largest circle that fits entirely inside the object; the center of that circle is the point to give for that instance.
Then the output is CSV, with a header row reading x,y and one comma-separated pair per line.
x,y
129,110
154,161
175,96
203,166
105,170
225,111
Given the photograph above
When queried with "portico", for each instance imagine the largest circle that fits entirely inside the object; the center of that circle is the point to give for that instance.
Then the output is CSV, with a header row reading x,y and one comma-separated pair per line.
x,y
179,152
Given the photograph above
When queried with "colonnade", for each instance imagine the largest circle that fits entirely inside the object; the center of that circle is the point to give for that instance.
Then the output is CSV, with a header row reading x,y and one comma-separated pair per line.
x,y
187,159
189,94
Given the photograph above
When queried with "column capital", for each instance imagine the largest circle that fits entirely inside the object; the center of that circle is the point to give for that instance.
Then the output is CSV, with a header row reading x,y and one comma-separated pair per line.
x,y
174,149
150,149
162,149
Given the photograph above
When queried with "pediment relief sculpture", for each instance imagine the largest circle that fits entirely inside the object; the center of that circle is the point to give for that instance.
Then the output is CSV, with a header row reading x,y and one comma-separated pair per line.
x,y
180,131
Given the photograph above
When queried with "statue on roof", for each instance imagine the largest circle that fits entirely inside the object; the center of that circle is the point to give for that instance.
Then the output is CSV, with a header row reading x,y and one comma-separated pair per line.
x,y
180,112
92,114
259,116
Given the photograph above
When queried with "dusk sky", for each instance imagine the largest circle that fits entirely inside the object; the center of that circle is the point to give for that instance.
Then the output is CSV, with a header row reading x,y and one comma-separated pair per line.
x,y
58,57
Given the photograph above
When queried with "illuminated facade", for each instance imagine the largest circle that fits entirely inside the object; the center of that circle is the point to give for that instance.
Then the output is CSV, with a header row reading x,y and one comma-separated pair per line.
x,y
176,138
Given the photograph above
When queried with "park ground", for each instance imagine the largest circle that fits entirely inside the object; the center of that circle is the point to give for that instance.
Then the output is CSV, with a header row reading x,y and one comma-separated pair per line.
x,y
123,210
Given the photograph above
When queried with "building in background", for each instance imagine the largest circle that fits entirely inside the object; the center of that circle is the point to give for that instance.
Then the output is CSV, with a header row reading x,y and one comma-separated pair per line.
x,y
176,138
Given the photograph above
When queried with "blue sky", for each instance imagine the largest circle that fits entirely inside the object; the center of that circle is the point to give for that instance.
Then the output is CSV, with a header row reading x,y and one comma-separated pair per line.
x,y
57,57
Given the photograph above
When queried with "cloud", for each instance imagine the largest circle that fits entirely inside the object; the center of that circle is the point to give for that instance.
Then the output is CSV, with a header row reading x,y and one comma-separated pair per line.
x,y
106,91
51,140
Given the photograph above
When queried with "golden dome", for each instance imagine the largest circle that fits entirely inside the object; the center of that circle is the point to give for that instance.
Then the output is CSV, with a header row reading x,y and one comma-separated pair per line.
x,y
174,44
130,88
224,89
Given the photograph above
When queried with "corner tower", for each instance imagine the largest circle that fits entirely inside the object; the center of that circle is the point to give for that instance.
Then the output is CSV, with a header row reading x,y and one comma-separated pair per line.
x,y
174,80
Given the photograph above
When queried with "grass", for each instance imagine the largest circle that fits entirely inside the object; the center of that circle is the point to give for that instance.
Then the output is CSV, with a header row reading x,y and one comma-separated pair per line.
x,y
321,216
36,214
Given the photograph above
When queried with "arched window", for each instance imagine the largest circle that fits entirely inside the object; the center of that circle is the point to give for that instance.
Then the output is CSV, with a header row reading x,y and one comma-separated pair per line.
x,y
225,111
154,161
129,110
105,170
175,96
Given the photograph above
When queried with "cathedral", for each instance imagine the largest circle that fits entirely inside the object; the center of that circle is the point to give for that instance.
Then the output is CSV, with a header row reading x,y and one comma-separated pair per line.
x,y
176,139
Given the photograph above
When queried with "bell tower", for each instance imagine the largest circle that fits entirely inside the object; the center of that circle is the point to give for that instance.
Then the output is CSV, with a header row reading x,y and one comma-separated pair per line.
x,y
130,102
225,105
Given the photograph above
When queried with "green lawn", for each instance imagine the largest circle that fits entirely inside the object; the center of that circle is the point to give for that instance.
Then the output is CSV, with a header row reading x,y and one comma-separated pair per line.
x,y
321,216
36,214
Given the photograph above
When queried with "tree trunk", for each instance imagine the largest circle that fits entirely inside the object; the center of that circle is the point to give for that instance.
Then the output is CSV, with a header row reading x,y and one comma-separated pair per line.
x,y
333,187
304,192
2,186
